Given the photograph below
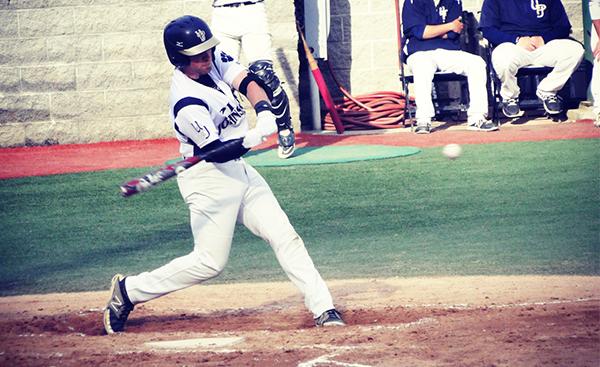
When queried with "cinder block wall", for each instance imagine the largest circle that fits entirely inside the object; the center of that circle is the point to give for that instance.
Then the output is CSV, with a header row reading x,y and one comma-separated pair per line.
x,y
79,71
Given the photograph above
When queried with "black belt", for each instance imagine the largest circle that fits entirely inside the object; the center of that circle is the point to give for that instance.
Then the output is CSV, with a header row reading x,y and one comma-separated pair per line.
x,y
235,5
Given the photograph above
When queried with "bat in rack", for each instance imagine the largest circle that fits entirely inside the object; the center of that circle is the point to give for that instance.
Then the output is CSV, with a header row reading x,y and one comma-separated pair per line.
x,y
151,179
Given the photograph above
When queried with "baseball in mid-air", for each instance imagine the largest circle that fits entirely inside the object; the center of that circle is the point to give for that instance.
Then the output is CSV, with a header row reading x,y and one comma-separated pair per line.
x,y
452,151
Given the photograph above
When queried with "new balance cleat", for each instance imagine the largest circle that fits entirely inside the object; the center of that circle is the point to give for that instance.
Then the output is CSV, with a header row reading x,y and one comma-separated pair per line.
x,y
118,308
423,127
552,102
330,318
287,143
511,109
482,124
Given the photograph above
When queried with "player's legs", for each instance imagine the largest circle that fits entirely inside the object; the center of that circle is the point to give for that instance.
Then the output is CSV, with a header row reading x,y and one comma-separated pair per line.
x,y
473,67
255,37
423,67
213,195
564,56
227,27
507,59
262,215
595,84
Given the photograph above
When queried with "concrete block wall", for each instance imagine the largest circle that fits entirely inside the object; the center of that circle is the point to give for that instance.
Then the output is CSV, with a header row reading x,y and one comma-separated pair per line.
x,y
80,71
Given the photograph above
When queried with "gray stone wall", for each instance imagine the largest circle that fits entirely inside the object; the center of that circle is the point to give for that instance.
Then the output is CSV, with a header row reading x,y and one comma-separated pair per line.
x,y
79,71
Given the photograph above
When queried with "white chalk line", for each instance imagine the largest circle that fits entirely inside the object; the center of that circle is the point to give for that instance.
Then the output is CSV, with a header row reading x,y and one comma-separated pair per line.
x,y
467,306
327,359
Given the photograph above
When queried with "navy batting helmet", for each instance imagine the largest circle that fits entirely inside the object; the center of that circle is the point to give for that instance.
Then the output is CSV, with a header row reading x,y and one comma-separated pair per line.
x,y
187,36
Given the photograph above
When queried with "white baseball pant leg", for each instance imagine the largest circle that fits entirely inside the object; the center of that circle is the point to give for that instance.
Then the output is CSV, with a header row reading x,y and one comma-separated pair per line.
x,y
424,64
262,215
563,55
218,196
595,85
213,194
243,28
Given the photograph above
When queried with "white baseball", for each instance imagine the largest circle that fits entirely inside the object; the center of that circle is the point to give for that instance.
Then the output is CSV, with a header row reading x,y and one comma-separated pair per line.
x,y
452,151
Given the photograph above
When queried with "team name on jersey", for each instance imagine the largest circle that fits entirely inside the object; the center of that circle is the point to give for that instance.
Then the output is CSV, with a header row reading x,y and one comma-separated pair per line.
x,y
233,119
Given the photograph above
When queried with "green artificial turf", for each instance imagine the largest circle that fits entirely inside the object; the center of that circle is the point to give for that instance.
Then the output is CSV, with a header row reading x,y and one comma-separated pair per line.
x,y
509,208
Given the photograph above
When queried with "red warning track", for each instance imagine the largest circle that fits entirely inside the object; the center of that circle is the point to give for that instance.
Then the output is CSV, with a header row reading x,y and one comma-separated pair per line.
x,y
59,159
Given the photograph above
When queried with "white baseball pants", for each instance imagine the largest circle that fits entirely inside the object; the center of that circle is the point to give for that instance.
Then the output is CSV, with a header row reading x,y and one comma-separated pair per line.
x,y
218,195
595,85
243,28
563,55
424,64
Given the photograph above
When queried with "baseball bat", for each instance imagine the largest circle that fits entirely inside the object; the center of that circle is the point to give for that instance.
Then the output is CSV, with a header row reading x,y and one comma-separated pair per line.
x,y
316,72
151,179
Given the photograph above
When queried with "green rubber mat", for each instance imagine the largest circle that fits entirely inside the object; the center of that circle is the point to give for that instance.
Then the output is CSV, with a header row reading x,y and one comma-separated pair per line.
x,y
325,155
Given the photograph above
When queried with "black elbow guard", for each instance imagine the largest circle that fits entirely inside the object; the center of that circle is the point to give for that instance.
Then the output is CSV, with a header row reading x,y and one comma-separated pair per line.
x,y
251,77
223,151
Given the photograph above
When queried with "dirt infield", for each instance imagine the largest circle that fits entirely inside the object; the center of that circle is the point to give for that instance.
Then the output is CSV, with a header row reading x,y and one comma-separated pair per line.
x,y
451,321
460,321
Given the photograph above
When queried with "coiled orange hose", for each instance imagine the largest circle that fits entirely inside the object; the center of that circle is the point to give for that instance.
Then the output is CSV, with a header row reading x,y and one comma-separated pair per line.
x,y
379,110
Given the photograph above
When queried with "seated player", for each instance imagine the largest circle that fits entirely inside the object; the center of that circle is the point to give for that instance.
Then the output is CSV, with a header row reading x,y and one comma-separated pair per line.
x,y
431,30
525,33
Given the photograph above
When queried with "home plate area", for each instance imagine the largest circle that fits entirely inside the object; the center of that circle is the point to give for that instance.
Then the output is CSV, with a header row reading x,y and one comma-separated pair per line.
x,y
446,321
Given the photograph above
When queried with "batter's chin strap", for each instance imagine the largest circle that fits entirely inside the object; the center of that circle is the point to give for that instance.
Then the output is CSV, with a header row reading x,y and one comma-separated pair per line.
x,y
251,77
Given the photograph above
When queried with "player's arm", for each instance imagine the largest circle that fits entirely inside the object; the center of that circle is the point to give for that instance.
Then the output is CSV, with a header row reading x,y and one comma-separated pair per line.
x,y
259,95
193,122
442,30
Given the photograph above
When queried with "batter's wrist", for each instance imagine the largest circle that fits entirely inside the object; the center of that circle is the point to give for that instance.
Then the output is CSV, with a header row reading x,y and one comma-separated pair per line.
x,y
262,106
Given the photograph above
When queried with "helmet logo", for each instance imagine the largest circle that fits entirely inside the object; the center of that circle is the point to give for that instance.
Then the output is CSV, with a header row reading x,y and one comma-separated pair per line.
x,y
201,34
179,44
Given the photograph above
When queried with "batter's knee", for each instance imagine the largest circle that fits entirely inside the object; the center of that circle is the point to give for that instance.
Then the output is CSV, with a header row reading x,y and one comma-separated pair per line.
x,y
207,266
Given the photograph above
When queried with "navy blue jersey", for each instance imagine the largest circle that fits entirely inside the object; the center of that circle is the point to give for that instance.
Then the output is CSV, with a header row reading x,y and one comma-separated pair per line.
x,y
417,14
505,20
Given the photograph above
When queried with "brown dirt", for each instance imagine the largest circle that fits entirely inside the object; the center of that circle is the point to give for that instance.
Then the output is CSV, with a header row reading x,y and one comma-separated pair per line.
x,y
452,321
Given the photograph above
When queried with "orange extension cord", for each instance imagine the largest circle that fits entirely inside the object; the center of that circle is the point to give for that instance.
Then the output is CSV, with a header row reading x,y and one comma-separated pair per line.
x,y
379,110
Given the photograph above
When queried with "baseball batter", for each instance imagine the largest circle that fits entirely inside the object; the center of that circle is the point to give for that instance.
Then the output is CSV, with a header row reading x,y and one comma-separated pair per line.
x,y
208,119
243,25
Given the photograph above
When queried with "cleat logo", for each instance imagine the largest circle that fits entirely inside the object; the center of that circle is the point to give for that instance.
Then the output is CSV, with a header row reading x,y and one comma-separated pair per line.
x,y
115,303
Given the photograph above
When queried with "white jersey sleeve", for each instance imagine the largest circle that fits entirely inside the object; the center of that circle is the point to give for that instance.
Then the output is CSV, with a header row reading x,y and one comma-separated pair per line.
x,y
227,66
595,9
195,123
